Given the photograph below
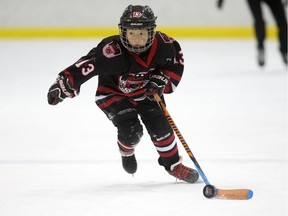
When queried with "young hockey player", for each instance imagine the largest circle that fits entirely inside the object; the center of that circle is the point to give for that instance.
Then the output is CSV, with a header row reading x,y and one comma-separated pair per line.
x,y
131,67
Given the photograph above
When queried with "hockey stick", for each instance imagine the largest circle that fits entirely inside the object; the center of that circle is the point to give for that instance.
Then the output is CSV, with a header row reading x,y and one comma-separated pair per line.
x,y
209,190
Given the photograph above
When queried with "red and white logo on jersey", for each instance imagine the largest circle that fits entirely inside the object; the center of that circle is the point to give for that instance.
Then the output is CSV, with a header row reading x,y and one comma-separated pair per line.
x,y
111,50
130,83
137,14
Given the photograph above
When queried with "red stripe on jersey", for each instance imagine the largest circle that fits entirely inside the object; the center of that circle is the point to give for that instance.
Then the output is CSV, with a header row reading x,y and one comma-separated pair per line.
x,y
109,101
152,51
106,91
172,75
168,88
150,56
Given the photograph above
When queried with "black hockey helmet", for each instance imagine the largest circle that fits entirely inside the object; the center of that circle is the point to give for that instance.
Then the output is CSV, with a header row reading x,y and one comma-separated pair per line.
x,y
137,17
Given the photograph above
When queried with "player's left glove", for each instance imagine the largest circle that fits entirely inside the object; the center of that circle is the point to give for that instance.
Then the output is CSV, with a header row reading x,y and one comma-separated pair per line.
x,y
61,89
157,84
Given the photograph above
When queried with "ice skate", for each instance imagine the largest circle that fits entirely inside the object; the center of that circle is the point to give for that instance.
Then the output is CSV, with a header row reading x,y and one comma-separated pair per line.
x,y
261,57
184,173
129,162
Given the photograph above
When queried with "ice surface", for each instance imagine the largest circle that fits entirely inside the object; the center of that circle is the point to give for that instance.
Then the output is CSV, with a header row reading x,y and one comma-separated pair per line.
x,y
63,160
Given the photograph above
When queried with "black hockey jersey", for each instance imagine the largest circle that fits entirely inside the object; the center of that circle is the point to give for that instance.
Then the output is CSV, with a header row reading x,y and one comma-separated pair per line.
x,y
122,73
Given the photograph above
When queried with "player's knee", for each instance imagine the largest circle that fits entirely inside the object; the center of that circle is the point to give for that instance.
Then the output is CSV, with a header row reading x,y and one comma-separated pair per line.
x,y
130,131
158,127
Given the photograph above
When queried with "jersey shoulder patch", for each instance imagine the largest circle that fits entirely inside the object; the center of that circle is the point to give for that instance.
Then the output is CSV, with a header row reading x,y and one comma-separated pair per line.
x,y
111,50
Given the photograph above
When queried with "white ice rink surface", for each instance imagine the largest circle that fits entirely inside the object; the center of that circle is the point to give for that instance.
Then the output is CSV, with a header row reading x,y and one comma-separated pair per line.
x,y
64,161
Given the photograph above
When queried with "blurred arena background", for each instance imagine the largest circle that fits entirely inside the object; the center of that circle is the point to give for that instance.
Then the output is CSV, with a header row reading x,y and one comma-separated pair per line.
x,y
93,18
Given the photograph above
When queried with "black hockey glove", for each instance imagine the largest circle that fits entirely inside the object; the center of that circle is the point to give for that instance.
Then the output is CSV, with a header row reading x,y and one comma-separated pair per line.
x,y
61,89
157,84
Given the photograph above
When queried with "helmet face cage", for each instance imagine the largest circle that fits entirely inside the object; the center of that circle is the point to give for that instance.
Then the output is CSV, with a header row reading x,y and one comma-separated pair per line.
x,y
138,49
137,17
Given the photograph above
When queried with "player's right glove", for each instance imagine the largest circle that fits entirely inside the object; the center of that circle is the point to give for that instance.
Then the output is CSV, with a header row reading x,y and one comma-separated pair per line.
x,y
61,89
157,84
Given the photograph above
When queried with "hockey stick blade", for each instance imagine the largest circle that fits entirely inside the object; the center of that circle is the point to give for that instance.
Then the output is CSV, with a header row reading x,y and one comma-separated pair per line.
x,y
211,191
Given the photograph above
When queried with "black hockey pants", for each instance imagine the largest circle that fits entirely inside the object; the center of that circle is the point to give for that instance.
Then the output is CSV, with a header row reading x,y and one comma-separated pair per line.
x,y
125,116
